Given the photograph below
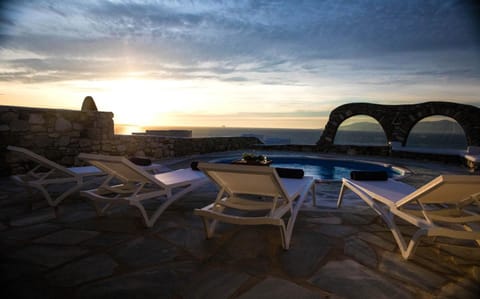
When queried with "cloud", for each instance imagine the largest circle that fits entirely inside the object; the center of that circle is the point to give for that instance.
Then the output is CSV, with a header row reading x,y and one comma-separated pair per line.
x,y
268,42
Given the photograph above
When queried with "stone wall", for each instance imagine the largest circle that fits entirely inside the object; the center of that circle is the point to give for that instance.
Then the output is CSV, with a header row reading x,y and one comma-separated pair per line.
x,y
60,135
57,134
169,147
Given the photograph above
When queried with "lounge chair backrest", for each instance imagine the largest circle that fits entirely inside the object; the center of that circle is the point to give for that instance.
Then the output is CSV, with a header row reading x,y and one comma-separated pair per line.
x,y
39,159
120,167
243,179
447,189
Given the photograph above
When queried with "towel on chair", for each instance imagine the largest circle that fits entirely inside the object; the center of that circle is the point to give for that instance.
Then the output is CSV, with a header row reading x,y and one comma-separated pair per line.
x,y
194,165
369,175
140,161
290,173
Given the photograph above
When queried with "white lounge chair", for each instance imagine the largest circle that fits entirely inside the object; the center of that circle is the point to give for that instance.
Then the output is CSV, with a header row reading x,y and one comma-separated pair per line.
x,y
254,188
130,184
47,172
442,207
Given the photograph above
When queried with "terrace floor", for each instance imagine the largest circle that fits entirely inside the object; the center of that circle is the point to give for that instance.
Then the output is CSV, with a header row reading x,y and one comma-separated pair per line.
x,y
335,253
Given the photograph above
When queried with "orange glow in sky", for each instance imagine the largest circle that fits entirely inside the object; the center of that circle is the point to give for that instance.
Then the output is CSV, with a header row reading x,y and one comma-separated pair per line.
x,y
238,63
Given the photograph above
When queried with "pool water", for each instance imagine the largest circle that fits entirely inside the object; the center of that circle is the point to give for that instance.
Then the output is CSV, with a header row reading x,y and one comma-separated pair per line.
x,y
325,168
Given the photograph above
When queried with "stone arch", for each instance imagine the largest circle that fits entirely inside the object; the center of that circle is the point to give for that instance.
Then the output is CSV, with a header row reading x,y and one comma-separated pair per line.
x,y
398,120
361,115
466,116
408,136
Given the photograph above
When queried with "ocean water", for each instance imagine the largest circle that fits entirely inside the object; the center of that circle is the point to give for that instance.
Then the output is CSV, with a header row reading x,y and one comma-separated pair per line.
x,y
446,140
271,136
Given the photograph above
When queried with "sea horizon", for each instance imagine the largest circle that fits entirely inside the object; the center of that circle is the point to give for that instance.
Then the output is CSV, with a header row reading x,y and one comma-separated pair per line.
x,y
268,135
446,140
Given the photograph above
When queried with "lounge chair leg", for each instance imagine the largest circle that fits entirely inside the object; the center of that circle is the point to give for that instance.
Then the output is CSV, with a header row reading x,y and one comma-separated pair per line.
x,y
209,226
55,202
469,229
146,220
340,196
98,209
66,194
407,252
287,231
46,195
286,235
314,197
170,200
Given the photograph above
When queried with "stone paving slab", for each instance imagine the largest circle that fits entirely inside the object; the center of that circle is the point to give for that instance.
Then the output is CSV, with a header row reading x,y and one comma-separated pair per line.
x,y
462,289
74,212
214,283
112,223
337,231
66,237
11,270
107,240
361,251
462,251
308,249
49,256
358,219
30,232
436,260
320,220
144,251
81,271
349,279
7,213
160,282
335,253
29,287
177,218
192,240
249,249
34,217
154,283
274,288
377,241
9,245
394,265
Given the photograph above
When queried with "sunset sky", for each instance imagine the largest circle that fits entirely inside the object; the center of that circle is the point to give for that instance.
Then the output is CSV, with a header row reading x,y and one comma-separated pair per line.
x,y
237,63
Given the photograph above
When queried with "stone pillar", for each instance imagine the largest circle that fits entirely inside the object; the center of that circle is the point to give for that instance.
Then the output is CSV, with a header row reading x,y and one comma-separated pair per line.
x,y
89,104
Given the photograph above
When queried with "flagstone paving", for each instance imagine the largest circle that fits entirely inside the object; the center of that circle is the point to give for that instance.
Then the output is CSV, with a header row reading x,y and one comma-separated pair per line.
x,y
335,253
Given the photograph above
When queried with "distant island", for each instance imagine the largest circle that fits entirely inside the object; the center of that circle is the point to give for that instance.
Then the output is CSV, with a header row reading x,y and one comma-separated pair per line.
x,y
440,126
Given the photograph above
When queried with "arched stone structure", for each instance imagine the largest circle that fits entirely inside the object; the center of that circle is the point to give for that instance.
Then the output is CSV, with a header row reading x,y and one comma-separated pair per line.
x,y
398,120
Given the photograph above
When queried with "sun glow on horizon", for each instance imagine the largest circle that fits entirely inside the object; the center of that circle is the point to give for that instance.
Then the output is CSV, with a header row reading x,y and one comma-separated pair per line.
x,y
139,101
136,100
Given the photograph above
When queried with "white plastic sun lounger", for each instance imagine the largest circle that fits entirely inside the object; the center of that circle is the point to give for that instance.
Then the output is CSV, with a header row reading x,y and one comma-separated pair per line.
x,y
47,172
254,189
441,207
130,184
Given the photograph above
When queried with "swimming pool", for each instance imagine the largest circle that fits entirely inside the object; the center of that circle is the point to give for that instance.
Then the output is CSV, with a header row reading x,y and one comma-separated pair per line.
x,y
327,168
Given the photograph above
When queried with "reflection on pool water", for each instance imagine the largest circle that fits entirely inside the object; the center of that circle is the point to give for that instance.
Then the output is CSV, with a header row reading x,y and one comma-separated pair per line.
x,y
326,168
